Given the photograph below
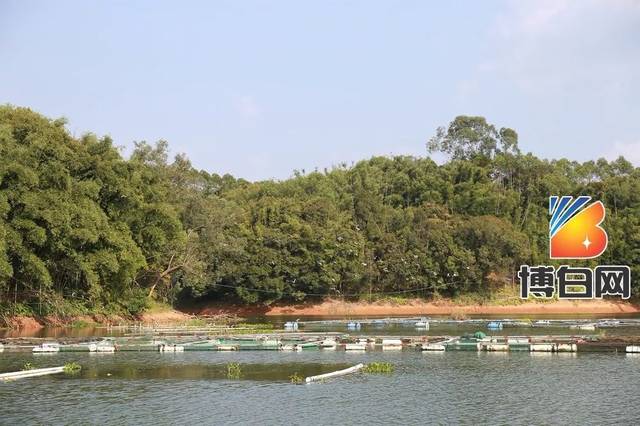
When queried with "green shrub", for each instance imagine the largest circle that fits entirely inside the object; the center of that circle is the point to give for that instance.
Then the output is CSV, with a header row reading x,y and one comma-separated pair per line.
x,y
11,309
135,301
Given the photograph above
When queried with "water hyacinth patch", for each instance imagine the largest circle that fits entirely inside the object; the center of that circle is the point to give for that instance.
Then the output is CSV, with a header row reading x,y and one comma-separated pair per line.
x,y
72,368
378,368
234,372
296,378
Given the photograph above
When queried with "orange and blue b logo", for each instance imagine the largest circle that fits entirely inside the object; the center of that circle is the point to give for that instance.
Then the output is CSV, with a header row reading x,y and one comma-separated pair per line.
x,y
574,229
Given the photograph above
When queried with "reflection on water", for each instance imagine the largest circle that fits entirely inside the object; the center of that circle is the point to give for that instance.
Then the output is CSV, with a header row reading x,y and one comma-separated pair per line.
x,y
258,372
62,332
436,329
435,388
388,329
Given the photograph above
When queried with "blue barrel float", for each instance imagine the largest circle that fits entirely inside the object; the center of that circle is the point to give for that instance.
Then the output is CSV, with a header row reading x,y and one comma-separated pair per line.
x,y
494,325
291,325
353,325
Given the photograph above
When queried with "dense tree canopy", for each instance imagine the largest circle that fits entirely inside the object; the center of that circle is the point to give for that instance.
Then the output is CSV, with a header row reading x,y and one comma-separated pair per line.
x,y
81,227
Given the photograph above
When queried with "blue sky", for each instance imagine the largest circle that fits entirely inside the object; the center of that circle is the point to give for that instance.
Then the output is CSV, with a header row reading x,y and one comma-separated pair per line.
x,y
260,88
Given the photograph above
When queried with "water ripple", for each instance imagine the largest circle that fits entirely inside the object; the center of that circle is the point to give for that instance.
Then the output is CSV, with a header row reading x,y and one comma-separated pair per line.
x,y
459,388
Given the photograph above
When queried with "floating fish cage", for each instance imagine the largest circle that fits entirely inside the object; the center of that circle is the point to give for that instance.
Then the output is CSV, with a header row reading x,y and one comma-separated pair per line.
x,y
495,347
541,347
329,344
566,347
519,347
355,347
46,348
436,347
579,324
310,340
601,347
463,345
391,342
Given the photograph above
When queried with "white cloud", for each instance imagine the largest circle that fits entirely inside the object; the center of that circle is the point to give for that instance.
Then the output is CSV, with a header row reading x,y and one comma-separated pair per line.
x,y
630,151
561,45
568,71
529,18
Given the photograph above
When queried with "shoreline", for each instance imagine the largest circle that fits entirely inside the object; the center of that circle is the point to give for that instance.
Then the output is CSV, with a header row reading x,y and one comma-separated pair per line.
x,y
421,307
338,308
170,316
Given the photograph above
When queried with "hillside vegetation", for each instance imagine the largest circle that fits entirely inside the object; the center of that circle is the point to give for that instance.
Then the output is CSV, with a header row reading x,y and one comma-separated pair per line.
x,y
83,229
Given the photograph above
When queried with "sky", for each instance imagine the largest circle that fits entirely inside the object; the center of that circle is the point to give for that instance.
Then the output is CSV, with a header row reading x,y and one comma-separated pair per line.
x,y
259,89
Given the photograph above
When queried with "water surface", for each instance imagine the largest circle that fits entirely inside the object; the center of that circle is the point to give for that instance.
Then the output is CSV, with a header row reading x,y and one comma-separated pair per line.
x,y
431,388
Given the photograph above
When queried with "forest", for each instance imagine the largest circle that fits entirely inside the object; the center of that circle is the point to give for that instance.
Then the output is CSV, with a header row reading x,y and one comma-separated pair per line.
x,y
84,229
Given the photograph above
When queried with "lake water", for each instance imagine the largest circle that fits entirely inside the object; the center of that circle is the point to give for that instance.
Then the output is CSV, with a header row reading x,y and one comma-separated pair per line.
x,y
436,329
430,388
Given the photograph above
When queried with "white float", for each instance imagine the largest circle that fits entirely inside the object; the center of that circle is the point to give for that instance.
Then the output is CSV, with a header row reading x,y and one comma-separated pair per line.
x,y
567,347
433,347
541,347
47,348
31,373
334,374
328,344
355,347
496,347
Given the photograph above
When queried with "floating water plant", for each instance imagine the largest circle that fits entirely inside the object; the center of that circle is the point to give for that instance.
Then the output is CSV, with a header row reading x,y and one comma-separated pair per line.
x,y
296,379
72,368
378,368
234,371
28,366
